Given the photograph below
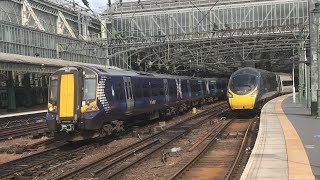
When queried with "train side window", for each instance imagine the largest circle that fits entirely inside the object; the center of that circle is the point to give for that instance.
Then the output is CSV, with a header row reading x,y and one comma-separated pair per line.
x,y
146,90
199,87
155,90
118,91
175,89
161,90
140,90
137,91
184,87
171,91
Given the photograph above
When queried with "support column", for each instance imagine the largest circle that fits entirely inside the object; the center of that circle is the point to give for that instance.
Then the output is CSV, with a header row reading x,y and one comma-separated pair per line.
x,y
308,86
314,10
27,90
11,93
302,57
20,79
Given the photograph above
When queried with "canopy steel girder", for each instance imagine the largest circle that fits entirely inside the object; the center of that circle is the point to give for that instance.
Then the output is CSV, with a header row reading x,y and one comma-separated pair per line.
x,y
146,42
239,42
151,6
62,23
53,9
243,43
201,36
185,58
27,11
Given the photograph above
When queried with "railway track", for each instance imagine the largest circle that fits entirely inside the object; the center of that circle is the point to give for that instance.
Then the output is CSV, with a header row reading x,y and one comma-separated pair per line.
x,y
18,131
27,165
36,164
219,159
20,120
109,166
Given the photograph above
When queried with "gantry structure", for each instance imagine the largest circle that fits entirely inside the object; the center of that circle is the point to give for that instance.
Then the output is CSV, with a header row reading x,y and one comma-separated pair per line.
x,y
207,37
46,29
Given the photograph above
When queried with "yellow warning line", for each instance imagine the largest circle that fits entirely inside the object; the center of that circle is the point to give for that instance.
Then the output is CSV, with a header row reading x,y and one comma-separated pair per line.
x,y
298,162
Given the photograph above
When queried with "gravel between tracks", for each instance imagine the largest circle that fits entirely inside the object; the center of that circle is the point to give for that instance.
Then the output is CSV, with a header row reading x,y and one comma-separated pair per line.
x,y
111,147
123,141
101,150
161,165
14,145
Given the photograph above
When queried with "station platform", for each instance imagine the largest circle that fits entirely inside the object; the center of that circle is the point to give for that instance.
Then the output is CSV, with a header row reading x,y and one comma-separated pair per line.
x,y
23,111
287,145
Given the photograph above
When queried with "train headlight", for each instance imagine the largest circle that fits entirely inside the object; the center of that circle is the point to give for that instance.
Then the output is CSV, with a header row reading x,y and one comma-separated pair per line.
x,y
229,95
254,94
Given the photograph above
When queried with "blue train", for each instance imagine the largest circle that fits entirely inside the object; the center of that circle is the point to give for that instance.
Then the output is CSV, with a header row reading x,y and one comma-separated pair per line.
x,y
88,102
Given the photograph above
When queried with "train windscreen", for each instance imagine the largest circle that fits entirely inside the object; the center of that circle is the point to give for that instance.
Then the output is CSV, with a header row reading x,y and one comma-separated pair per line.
x,y
243,83
53,90
89,86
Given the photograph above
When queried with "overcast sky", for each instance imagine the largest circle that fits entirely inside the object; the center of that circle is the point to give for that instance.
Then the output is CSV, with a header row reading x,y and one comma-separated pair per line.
x,y
96,5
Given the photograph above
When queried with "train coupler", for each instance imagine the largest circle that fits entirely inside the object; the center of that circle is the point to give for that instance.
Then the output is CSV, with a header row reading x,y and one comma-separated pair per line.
x,y
67,127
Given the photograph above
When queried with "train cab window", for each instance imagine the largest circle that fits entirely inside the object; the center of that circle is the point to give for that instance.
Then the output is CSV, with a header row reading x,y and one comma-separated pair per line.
x,y
53,91
89,90
243,84
287,83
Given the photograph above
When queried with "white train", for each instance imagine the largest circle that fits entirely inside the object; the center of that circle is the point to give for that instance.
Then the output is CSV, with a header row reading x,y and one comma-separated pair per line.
x,y
285,83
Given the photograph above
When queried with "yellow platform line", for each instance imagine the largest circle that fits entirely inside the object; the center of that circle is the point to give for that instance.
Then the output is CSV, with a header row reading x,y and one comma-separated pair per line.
x,y
298,162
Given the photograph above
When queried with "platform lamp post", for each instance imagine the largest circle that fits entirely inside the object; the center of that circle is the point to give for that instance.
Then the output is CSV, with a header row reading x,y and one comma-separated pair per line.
x,y
316,12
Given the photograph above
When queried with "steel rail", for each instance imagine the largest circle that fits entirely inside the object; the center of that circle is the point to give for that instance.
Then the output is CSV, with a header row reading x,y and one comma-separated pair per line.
x,y
239,153
202,151
126,152
184,131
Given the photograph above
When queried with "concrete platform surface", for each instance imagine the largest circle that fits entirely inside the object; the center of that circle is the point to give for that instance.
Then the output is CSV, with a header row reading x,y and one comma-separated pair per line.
x,y
287,146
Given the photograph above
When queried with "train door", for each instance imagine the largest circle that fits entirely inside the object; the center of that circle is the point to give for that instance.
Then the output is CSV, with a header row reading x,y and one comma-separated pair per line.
x,y
166,89
179,92
207,86
128,93
67,95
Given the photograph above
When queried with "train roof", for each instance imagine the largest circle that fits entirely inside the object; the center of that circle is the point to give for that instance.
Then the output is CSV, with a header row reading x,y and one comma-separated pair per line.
x,y
255,70
121,72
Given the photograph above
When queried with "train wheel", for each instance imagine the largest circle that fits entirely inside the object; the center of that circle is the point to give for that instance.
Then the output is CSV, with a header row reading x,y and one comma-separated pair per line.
x,y
118,125
102,133
108,129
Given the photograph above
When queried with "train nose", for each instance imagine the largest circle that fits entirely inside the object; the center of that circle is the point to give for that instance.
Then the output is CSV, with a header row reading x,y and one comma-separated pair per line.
x,y
241,102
